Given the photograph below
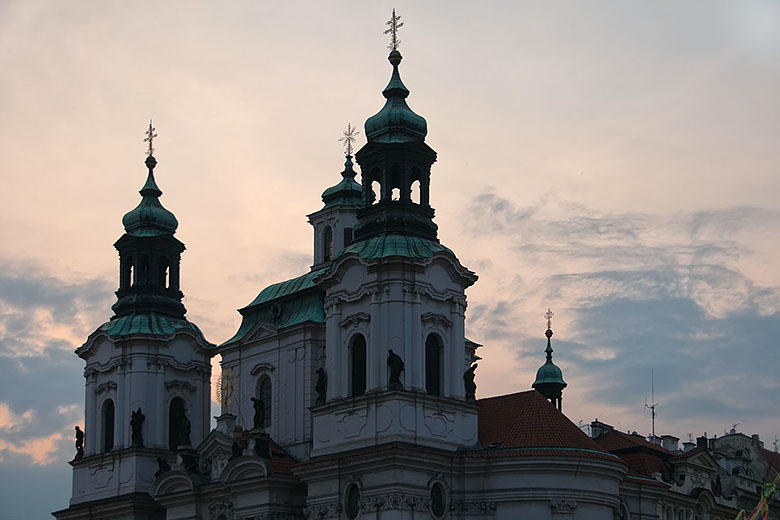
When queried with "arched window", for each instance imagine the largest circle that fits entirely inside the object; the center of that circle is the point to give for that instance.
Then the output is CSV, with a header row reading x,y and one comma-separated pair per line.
x,y
264,395
698,514
352,501
433,357
347,236
164,272
358,363
177,424
376,191
107,422
327,244
127,274
415,192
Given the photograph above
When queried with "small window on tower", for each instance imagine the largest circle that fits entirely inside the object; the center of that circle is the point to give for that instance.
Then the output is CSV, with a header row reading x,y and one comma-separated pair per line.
x,y
347,236
107,422
358,362
433,357
327,245
165,272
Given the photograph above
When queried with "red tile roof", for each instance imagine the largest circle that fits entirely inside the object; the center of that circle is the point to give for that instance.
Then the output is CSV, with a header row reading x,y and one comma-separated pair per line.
x,y
772,457
615,441
527,420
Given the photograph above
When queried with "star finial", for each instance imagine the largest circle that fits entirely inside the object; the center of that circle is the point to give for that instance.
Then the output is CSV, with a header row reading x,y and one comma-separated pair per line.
x,y
349,138
394,24
549,316
150,135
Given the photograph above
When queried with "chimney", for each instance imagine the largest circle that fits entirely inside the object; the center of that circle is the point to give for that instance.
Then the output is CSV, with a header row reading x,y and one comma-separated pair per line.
x,y
669,442
756,441
688,446
598,428
701,442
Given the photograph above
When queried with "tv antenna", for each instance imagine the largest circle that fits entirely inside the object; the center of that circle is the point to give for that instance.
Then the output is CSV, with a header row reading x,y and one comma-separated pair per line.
x,y
652,404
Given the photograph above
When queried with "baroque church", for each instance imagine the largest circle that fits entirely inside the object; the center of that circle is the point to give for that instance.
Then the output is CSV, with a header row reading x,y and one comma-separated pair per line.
x,y
347,392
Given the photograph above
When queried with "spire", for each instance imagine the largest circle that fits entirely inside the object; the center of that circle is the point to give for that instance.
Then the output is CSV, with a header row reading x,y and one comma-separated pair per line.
x,y
396,158
150,218
149,254
549,378
347,192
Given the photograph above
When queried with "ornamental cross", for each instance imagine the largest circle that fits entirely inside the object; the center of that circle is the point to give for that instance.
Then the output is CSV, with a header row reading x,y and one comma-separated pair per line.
x,y
349,138
394,23
549,316
150,135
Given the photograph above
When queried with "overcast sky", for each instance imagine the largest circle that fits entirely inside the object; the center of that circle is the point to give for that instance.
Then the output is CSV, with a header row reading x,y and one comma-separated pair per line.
x,y
616,161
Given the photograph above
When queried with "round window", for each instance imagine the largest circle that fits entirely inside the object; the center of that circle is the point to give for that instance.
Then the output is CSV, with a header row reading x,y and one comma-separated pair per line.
x,y
437,500
352,501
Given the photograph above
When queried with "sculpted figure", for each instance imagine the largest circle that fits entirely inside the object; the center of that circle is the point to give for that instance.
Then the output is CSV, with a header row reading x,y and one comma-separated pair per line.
x,y
162,466
186,429
468,382
322,386
395,366
259,418
136,427
79,443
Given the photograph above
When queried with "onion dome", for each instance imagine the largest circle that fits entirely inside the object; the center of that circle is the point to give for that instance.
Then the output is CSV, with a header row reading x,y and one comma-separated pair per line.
x,y
150,218
347,192
396,122
549,373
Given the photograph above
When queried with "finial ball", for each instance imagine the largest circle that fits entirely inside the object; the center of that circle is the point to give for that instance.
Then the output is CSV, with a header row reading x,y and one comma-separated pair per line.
x,y
395,57
549,333
151,162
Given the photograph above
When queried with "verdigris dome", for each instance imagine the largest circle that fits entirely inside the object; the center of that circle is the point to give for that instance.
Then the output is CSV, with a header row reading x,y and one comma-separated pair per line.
x,y
549,373
150,218
395,123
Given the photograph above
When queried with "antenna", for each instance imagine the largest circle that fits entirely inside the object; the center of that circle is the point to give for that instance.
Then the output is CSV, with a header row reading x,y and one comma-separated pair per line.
x,y
652,404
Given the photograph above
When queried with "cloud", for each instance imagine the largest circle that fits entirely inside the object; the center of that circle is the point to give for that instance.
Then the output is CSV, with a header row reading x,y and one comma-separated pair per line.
x,y
632,292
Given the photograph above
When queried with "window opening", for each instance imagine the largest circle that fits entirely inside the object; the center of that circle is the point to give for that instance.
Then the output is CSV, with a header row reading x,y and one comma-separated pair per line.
x,y
347,236
358,355
108,425
433,365
352,501
178,424
327,245
264,395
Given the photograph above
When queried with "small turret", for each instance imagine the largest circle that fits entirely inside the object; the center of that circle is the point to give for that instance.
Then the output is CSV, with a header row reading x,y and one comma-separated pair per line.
x,y
549,378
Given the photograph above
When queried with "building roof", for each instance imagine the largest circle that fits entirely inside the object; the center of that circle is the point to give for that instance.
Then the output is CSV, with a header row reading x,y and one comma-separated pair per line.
x,y
642,457
148,323
615,441
286,288
347,192
383,246
772,457
527,424
150,218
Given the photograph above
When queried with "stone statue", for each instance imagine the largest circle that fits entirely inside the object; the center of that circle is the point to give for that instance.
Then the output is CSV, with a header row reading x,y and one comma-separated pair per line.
x,y
263,446
162,467
396,365
236,450
186,429
79,444
259,418
136,426
189,460
468,382
322,386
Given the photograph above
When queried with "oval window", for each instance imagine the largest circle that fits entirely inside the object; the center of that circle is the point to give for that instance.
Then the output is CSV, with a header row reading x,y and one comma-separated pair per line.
x,y
437,500
352,501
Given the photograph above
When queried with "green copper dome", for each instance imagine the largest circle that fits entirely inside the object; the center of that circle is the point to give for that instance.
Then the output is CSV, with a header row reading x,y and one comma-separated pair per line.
x,y
549,374
347,192
395,123
150,218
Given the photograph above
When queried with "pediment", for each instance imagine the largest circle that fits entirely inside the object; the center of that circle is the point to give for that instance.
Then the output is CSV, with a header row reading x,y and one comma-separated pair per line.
x,y
259,333
174,481
245,467
702,460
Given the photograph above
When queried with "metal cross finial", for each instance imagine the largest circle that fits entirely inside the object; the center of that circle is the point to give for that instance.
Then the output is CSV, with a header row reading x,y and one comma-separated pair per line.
x,y
150,135
549,316
349,138
394,23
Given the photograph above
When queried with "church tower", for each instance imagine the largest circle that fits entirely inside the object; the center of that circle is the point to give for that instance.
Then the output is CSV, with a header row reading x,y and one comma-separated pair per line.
x,y
394,303
147,372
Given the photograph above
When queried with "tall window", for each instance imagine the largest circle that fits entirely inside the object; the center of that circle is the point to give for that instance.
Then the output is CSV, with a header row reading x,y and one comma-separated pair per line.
x,y
433,357
358,362
177,414
164,272
107,421
264,395
347,236
327,244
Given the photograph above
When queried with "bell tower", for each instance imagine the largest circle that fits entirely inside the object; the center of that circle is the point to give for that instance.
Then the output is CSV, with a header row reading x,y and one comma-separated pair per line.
x,y
147,372
396,356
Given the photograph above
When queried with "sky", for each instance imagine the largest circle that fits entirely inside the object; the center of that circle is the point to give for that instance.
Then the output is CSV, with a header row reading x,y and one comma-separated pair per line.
x,y
615,161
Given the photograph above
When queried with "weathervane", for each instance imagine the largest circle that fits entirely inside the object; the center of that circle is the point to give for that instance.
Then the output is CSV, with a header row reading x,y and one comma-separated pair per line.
x,y
394,23
150,135
349,138
549,316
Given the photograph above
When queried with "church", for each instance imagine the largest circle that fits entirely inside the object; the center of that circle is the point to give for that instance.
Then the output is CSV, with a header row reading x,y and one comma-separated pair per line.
x,y
348,392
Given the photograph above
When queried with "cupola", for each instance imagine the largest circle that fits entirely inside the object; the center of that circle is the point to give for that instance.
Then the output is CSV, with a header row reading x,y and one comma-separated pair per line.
x,y
549,378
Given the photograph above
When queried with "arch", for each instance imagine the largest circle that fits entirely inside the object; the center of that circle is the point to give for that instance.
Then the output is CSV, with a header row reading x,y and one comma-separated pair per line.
x,y
107,426
375,193
128,270
263,393
414,191
144,269
433,362
165,275
177,417
327,244
357,361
